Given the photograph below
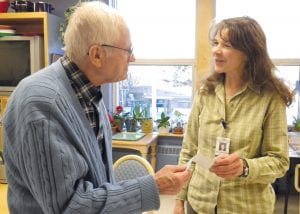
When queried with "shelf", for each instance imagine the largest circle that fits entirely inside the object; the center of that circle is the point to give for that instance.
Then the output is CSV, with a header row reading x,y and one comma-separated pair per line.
x,y
169,135
23,16
37,23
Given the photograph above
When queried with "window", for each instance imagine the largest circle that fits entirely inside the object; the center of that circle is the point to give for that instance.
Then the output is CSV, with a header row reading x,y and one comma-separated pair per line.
x,y
279,20
163,36
165,87
160,29
291,74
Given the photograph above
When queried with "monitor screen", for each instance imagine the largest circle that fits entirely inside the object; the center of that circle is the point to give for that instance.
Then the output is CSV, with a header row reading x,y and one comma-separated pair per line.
x,y
14,62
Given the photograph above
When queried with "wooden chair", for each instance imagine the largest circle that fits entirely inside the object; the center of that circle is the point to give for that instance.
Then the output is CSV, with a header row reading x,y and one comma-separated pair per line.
x,y
297,180
130,167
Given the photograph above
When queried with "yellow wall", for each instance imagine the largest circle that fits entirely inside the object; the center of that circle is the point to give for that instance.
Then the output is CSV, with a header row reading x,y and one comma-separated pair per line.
x,y
205,15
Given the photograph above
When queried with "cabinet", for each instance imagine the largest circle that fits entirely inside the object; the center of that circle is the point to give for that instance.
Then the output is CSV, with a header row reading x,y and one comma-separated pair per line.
x,y
3,103
43,24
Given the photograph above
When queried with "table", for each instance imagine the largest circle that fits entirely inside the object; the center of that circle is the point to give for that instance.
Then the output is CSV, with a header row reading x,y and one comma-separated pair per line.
x,y
294,154
149,141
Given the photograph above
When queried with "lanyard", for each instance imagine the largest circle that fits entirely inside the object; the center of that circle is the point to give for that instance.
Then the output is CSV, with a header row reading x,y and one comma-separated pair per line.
x,y
224,122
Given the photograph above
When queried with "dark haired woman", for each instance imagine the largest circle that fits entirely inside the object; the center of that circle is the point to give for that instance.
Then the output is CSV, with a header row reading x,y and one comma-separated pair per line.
x,y
243,104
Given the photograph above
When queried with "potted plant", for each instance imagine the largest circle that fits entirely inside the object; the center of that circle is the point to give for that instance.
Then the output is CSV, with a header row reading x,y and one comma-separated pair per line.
x,y
178,129
296,125
117,119
163,124
146,120
67,14
131,122
294,132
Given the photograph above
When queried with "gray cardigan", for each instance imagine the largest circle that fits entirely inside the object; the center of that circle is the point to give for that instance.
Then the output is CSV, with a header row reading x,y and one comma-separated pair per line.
x,y
52,156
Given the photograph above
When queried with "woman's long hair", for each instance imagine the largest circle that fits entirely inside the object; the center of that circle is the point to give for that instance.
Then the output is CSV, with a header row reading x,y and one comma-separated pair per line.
x,y
246,35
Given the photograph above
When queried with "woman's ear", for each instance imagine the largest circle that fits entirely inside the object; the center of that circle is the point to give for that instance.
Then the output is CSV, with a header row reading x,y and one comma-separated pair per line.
x,y
96,55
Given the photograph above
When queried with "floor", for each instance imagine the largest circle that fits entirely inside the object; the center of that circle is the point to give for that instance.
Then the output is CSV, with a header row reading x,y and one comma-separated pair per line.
x,y
167,204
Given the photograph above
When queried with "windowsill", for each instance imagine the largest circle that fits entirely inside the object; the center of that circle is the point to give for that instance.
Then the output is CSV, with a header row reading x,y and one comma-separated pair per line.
x,y
168,135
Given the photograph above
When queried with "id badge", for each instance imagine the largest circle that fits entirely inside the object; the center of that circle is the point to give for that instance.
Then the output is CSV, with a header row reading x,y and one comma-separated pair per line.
x,y
222,146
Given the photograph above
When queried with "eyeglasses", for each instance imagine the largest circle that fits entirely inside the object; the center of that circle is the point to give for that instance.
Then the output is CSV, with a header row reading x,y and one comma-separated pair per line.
x,y
129,51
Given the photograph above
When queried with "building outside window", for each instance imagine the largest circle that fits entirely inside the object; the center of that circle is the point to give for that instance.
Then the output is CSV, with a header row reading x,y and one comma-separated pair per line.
x,y
163,36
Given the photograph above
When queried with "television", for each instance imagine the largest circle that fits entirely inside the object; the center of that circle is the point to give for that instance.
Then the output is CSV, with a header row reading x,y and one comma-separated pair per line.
x,y
20,56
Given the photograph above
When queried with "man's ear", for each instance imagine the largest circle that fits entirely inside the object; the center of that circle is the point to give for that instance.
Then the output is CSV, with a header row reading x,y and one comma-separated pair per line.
x,y
96,55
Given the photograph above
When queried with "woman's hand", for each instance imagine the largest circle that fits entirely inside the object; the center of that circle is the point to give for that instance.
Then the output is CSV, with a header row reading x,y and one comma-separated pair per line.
x,y
179,207
228,166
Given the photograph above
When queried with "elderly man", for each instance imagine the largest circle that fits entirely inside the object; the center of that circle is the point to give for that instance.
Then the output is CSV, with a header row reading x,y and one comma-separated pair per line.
x,y
57,135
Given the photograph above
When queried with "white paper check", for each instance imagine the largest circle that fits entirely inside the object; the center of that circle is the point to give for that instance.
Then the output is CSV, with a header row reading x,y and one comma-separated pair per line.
x,y
201,160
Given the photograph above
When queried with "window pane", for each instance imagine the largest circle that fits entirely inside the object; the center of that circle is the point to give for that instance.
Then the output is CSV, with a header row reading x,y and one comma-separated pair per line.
x,y
291,76
163,88
160,28
279,20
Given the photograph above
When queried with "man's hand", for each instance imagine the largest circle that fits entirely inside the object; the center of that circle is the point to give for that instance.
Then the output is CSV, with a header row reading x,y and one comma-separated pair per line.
x,y
228,166
171,178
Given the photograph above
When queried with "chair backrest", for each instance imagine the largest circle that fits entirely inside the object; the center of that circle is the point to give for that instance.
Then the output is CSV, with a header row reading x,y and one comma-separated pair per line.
x,y
296,181
131,166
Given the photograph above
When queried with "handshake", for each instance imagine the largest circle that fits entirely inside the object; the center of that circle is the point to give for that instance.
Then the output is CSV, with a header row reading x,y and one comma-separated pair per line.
x,y
171,178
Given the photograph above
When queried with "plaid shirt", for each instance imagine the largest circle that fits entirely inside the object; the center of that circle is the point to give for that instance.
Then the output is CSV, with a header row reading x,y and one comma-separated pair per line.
x,y
257,128
88,95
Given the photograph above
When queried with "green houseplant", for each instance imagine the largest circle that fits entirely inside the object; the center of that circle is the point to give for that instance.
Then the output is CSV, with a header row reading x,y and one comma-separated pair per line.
x,y
67,14
178,129
163,124
131,121
117,119
146,120
296,125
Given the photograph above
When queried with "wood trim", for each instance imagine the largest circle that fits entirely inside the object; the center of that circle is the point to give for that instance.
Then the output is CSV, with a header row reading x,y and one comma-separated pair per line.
x,y
204,16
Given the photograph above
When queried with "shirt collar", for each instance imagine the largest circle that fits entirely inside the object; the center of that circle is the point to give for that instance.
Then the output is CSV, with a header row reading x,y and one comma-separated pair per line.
x,y
219,90
80,82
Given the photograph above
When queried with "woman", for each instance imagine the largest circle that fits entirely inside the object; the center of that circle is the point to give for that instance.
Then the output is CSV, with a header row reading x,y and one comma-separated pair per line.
x,y
241,104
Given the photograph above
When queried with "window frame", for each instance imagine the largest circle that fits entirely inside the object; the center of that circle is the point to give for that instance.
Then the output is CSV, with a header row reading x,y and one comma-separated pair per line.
x,y
286,61
114,87
154,62
205,12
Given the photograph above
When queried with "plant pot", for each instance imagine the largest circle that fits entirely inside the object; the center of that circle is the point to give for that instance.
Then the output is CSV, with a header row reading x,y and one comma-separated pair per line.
x,y
114,129
177,130
163,130
131,124
119,123
147,125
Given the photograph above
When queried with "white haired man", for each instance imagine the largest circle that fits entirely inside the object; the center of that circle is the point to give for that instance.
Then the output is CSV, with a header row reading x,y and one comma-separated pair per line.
x,y
57,135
